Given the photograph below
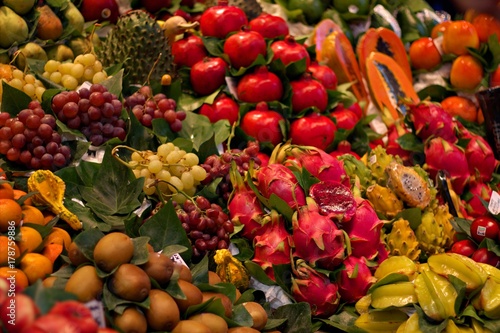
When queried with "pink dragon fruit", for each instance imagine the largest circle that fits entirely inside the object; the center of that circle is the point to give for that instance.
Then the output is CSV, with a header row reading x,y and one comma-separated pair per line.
x,y
364,230
244,207
355,279
442,155
394,148
274,246
480,158
477,191
320,164
279,180
431,120
316,289
316,237
334,200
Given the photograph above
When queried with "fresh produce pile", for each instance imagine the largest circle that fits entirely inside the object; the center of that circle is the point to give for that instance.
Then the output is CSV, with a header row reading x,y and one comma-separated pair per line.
x,y
203,166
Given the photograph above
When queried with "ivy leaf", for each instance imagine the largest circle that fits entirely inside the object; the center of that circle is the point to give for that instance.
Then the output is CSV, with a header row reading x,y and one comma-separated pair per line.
x,y
298,317
13,100
164,228
200,271
196,128
246,250
141,252
112,302
258,273
87,240
189,102
139,137
114,83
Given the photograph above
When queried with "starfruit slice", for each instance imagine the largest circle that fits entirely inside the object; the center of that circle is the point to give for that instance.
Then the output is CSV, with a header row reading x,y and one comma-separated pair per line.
x,y
488,300
50,192
389,86
411,325
385,41
436,295
491,271
338,54
451,327
461,267
394,294
397,264
385,321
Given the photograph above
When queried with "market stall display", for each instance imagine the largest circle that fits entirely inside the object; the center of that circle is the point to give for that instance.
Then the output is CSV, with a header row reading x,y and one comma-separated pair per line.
x,y
247,166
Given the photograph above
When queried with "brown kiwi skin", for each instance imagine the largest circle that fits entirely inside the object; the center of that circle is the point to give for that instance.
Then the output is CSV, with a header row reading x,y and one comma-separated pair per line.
x,y
130,283
112,250
193,295
163,313
131,320
159,267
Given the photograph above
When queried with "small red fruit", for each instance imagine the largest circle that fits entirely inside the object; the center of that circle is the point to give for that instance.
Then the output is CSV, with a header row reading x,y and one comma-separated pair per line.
x,y
188,51
99,10
323,74
244,47
263,124
208,75
78,313
307,93
484,226
219,21
260,85
288,51
485,256
345,118
465,247
313,130
154,6
269,26
223,107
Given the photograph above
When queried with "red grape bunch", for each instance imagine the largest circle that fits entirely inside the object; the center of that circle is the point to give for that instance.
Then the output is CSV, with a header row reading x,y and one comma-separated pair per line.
x,y
218,166
94,111
146,107
31,139
206,225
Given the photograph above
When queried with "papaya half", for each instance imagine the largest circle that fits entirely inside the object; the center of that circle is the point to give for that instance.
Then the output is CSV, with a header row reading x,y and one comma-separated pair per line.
x,y
319,34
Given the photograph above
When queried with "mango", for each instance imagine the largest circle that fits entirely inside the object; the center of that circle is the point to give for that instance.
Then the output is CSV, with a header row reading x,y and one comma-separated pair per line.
x,y
60,53
21,7
13,28
30,51
49,25
74,17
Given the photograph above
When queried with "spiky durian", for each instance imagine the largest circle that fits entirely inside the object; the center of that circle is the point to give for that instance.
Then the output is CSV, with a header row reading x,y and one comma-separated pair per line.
x,y
408,185
137,41
402,241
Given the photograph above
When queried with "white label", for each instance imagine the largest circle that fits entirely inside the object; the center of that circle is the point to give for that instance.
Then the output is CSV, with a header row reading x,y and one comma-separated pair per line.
x,y
178,259
97,310
494,204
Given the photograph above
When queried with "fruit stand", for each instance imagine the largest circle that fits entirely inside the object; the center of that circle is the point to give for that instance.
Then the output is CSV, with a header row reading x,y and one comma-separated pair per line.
x,y
248,166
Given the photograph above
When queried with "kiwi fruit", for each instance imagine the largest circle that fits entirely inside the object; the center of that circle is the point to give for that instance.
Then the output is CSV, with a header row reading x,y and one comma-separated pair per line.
x,y
242,329
216,323
159,267
193,295
85,284
226,302
130,283
49,281
112,250
131,320
184,272
75,255
191,326
163,313
213,278
258,313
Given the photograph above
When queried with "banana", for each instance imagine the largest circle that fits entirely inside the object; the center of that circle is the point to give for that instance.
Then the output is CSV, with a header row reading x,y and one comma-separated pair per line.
x,y
459,266
386,321
394,294
436,295
411,325
488,300
397,264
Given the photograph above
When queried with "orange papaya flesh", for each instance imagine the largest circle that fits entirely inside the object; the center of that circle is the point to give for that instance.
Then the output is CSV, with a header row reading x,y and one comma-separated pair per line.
x,y
324,28
389,86
338,54
385,41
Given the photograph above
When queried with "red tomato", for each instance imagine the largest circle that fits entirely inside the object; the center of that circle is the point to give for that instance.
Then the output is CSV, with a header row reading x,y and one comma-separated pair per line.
x,y
486,257
465,247
484,226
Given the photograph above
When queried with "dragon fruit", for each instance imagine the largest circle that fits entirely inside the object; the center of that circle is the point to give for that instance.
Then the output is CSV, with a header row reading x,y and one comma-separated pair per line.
x,y
477,191
480,158
431,120
316,289
273,246
442,155
355,279
316,237
334,200
320,164
244,207
364,230
279,180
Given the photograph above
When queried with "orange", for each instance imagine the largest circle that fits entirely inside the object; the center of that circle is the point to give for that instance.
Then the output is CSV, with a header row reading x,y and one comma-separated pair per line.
x,y
6,191
486,25
48,216
460,106
458,36
33,215
58,236
36,266
439,29
495,78
19,193
8,250
424,54
466,72
480,116
20,278
2,174
52,251
30,239
11,214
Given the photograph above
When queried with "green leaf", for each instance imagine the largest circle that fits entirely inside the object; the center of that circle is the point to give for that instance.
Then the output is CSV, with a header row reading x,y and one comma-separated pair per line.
x,y
170,250
427,326
164,229
344,321
412,215
173,288
305,179
411,142
298,317
196,128
46,298
114,83
141,252
258,273
189,102
139,137
112,302
241,317
13,100
460,287
200,271
86,241
388,279
435,92
281,206
246,251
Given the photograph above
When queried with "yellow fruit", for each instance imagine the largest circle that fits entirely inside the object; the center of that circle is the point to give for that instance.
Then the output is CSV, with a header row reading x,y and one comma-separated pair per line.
x,y
36,266
30,239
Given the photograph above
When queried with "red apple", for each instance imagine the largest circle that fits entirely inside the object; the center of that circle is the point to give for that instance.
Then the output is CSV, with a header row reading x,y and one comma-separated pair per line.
x,y
153,6
223,107
18,312
188,51
52,323
100,10
485,256
78,313
208,75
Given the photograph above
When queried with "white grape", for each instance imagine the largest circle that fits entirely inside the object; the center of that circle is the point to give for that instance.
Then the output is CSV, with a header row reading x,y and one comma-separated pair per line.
x,y
179,198
165,149
155,166
29,89
187,180
88,59
99,77
174,157
65,68
145,173
18,74
29,78
177,170
164,175
163,188
39,92
199,174
69,82
97,66
137,173
77,71
175,184
51,66
16,83
55,77
136,156
88,74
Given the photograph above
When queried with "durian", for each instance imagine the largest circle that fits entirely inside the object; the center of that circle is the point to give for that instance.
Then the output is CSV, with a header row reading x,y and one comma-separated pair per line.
x,y
138,42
